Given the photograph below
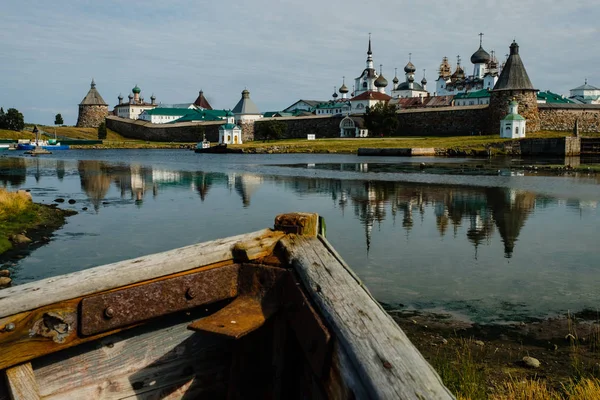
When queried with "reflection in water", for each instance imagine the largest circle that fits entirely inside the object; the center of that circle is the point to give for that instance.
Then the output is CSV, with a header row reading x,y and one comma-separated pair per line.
x,y
483,210
13,171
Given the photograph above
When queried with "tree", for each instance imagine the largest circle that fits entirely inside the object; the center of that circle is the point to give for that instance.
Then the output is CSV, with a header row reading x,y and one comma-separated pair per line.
x,y
381,119
102,131
270,130
2,119
58,119
13,120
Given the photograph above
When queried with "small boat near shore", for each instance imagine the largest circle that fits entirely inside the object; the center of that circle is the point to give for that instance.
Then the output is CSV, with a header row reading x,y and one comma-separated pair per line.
x,y
50,144
4,146
218,149
272,314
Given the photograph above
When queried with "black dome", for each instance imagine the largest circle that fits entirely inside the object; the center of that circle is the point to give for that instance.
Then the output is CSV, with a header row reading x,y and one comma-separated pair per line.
x,y
381,81
409,67
480,56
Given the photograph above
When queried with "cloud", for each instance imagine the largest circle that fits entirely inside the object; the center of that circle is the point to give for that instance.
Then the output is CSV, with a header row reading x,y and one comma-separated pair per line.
x,y
280,51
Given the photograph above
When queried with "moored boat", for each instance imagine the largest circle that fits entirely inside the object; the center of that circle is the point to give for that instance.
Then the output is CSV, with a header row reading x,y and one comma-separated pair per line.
x,y
269,314
50,144
221,148
4,146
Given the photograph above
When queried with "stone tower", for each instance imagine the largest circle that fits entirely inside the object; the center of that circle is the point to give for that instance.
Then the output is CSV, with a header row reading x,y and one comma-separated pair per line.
x,y
92,109
514,84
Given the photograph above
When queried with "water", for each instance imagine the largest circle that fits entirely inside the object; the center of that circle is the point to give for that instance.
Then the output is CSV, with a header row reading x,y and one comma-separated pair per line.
x,y
490,248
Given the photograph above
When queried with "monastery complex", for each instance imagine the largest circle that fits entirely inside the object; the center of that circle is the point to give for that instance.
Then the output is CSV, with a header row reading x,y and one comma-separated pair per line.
x,y
465,99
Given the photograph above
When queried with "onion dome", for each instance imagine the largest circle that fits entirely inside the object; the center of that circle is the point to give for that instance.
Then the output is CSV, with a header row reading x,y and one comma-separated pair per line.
x,y
410,78
343,89
136,89
395,80
424,81
480,56
381,82
334,95
153,97
410,68
120,97
130,96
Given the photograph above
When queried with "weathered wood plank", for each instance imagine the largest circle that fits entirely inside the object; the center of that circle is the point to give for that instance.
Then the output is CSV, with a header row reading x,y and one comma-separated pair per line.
x,y
40,293
387,363
144,362
56,327
21,383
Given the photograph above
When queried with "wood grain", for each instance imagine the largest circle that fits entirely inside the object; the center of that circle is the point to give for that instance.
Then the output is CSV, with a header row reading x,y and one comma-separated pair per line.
x,y
21,383
144,362
386,362
40,293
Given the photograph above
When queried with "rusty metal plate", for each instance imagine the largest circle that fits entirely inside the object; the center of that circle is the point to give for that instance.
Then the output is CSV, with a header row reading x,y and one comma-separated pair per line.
x,y
310,330
128,306
259,298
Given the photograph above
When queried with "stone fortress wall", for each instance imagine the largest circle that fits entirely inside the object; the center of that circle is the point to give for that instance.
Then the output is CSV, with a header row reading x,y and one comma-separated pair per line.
x,y
445,121
180,132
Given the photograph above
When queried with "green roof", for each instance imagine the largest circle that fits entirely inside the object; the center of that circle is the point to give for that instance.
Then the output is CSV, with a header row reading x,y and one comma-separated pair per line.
x,y
553,98
330,105
203,115
513,117
228,126
473,95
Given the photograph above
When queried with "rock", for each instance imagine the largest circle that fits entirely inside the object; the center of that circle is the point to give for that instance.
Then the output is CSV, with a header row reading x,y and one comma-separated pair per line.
x,y
59,200
72,201
531,362
84,208
479,343
20,239
25,193
5,282
4,273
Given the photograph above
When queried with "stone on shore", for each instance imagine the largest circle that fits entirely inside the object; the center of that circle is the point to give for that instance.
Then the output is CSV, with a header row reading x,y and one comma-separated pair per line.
x,y
5,282
4,273
531,362
20,239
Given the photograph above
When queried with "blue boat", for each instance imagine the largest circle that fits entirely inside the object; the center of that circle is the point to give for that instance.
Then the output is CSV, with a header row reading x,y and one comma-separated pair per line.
x,y
50,144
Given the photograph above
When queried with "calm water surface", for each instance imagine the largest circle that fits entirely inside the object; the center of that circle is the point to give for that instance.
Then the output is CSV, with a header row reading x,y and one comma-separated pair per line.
x,y
499,247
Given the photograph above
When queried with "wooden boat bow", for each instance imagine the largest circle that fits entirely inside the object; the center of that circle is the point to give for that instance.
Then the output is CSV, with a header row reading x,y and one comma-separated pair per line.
x,y
270,314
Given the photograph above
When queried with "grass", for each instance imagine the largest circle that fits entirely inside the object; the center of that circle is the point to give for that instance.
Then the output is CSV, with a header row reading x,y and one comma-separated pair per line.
x,y
17,212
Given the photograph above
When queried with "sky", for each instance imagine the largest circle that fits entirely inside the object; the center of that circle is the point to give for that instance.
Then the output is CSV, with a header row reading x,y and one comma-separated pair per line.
x,y
281,51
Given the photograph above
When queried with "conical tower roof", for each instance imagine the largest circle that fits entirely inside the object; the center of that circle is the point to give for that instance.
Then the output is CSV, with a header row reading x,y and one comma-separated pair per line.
x,y
245,105
514,76
93,98
202,102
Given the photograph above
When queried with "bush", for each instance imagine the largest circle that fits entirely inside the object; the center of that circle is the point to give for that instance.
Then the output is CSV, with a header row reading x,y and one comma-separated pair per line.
x,y
102,131
270,130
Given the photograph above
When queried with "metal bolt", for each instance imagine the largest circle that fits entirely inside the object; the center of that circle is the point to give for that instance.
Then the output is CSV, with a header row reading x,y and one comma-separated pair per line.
x,y
190,293
109,312
9,327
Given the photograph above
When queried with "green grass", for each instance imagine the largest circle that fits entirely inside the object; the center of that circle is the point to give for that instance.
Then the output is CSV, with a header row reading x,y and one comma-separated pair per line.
x,y
17,212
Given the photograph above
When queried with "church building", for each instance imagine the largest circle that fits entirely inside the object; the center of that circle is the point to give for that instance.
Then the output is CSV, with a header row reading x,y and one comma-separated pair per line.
x,y
366,81
135,106
409,88
485,73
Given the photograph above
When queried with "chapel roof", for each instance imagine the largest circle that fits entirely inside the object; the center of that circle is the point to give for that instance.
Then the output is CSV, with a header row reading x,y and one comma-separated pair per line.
x,y
369,95
202,102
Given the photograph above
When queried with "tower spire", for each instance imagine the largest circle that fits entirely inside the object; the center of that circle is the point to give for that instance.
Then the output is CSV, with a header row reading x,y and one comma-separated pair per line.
x,y
369,52
480,39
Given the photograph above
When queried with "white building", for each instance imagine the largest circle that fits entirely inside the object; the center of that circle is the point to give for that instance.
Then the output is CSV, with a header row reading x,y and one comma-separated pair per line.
x,y
485,74
135,106
162,115
353,127
359,104
245,110
366,81
230,133
586,94
513,125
